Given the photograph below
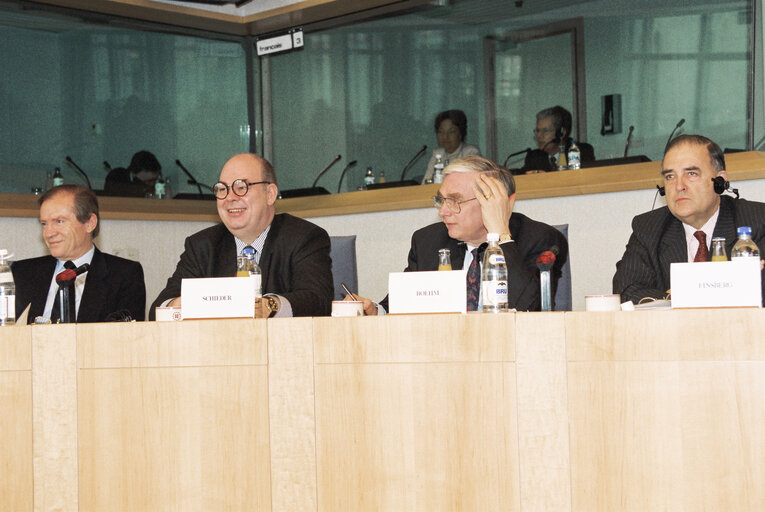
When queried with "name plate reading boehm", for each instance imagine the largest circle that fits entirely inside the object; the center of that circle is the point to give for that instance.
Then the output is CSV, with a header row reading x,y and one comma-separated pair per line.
x,y
218,297
711,284
427,292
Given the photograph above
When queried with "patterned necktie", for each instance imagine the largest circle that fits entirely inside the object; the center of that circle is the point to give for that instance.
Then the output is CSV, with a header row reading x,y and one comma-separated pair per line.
x,y
55,313
474,277
703,253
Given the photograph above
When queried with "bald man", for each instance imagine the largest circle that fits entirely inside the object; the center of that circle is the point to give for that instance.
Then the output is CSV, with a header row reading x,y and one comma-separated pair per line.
x,y
293,253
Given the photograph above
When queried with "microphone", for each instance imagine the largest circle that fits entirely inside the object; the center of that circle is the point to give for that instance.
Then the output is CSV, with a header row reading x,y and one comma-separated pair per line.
x,y
629,139
192,180
678,125
527,151
67,276
342,174
412,160
333,162
545,262
77,167
65,281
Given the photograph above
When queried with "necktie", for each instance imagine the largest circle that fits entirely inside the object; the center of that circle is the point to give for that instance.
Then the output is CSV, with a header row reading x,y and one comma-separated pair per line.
x,y
55,314
474,278
703,253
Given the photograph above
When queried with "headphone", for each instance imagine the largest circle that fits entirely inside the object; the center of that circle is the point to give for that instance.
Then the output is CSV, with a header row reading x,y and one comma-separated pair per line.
x,y
719,184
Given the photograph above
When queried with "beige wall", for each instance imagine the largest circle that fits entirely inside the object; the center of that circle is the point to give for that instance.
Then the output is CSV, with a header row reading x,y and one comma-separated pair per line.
x,y
599,226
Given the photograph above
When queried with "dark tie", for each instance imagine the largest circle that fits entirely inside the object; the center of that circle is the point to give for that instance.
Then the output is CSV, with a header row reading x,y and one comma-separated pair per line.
x,y
703,253
55,313
474,278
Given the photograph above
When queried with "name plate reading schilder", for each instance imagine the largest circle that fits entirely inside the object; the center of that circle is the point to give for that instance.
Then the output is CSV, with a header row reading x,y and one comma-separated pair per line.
x,y
427,292
218,297
711,284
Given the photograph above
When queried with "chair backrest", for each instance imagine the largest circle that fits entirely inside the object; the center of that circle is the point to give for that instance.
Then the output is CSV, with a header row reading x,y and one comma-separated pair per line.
x,y
343,254
563,293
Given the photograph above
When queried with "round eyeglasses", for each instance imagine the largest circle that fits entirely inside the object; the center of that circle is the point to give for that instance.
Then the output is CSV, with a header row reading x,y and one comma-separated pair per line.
x,y
239,187
454,205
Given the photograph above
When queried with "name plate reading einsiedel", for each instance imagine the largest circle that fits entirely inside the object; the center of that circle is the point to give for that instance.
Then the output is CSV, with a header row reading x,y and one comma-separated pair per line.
x,y
708,284
427,292
218,297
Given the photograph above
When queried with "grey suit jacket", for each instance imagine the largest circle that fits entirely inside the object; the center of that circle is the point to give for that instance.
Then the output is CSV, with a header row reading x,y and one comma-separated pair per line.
x,y
658,239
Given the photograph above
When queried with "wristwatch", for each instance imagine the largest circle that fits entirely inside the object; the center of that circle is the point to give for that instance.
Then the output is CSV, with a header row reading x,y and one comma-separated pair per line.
x,y
273,304
505,237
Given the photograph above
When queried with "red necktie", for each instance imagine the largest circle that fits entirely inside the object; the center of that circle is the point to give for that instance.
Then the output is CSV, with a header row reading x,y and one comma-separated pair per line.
x,y
474,278
703,253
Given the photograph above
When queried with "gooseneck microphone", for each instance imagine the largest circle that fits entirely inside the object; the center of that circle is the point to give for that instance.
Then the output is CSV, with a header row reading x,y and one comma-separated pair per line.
x,y
79,169
350,164
107,166
629,139
192,180
677,126
333,162
412,160
545,262
511,155
65,282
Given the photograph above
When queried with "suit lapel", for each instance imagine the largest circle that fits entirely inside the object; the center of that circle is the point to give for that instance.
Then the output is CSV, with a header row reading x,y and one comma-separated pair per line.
x,y
96,291
268,251
672,247
225,261
726,224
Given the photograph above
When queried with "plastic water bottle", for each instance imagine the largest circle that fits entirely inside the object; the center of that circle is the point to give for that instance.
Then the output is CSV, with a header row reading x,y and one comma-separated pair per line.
x,y
562,159
58,178
159,188
493,277
438,169
744,246
7,291
254,271
369,177
574,156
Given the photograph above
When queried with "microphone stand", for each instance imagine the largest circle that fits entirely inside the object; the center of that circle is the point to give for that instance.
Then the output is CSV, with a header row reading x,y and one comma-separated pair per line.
x,y
678,125
71,162
333,162
66,301
527,150
414,158
629,138
192,180
342,174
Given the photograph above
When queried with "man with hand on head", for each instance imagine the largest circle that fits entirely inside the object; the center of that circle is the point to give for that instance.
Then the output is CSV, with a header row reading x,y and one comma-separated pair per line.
x,y
111,285
477,197
293,253
694,176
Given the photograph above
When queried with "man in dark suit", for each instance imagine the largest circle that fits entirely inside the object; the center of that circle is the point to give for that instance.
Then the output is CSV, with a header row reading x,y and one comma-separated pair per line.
x,y
111,286
553,131
477,197
293,253
683,230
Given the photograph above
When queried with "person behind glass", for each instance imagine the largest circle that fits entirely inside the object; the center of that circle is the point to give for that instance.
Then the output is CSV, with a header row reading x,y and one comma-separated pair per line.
x,y
553,130
137,180
695,213
451,129
477,197
293,253
112,288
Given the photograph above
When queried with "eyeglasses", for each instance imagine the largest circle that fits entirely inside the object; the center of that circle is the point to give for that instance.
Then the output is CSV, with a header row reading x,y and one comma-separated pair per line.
x,y
453,204
544,131
240,188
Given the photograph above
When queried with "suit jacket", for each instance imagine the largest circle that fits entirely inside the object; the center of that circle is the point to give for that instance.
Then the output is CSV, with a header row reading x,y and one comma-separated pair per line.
x,y
658,239
538,160
530,238
295,263
112,284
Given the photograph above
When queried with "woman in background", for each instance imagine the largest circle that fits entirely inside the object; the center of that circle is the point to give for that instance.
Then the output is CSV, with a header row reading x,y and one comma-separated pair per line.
x,y
451,128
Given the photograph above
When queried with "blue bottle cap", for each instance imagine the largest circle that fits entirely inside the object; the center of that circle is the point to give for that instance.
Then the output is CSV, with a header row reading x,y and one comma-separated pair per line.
x,y
744,230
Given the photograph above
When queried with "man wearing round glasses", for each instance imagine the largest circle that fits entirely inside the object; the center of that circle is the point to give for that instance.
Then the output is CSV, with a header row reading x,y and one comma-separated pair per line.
x,y
293,253
477,197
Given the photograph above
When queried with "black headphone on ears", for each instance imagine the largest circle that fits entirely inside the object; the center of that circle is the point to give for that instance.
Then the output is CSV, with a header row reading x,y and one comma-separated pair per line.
x,y
719,184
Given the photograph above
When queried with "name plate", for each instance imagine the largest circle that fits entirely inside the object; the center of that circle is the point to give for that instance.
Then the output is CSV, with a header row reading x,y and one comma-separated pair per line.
x,y
218,297
734,283
427,292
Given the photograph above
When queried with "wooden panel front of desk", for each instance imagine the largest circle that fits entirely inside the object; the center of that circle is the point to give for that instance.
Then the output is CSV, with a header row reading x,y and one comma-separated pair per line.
x,y
531,412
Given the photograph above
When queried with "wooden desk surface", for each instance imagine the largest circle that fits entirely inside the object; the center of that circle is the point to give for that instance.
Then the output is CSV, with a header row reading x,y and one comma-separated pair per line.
x,y
741,166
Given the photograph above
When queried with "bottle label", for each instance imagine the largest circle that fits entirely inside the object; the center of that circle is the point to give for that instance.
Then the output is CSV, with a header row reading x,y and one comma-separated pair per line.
x,y
496,258
256,279
494,293
7,307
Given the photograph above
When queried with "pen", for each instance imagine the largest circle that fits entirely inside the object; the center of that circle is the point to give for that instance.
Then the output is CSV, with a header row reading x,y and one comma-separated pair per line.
x,y
348,291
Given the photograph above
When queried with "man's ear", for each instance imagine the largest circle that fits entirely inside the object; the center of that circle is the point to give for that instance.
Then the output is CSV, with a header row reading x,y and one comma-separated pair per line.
x,y
91,223
272,192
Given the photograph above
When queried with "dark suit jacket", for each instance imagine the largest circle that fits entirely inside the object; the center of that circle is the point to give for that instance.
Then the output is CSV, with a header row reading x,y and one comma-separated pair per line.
x,y
112,284
658,239
538,160
530,238
295,263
